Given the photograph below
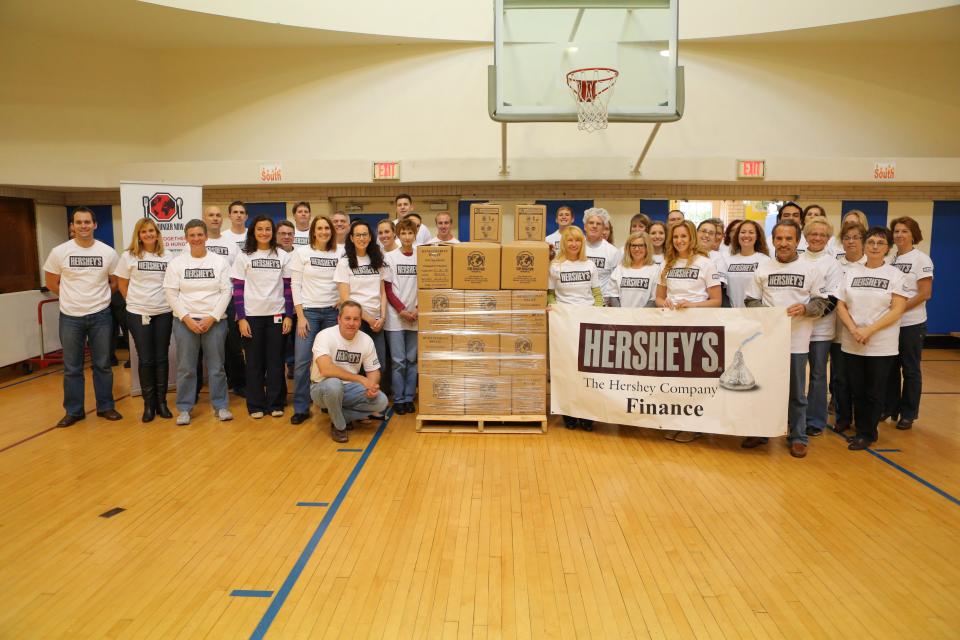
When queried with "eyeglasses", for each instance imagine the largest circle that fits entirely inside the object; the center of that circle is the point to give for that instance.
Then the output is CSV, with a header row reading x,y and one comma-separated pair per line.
x,y
361,235
852,238
877,243
638,246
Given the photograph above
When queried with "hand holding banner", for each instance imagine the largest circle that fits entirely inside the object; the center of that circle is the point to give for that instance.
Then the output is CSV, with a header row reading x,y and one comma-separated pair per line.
x,y
723,371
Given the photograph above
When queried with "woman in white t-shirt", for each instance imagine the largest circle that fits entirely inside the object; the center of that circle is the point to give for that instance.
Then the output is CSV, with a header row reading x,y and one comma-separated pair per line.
x,y
854,215
315,298
917,269
748,250
851,253
264,306
360,277
871,301
573,280
635,278
140,273
658,237
387,236
688,278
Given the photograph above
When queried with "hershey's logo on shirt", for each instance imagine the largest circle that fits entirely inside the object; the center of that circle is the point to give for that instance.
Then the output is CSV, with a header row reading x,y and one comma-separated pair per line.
x,y
343,355
217,249
151,265
199,274
634,283
793,280
365,270
683,273
574,276
265,263
598,260
323,262
749,267
301,240
870,282
903,266
406,269
86,261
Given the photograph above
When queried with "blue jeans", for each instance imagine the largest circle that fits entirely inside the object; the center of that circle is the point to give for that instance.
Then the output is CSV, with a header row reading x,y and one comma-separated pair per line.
x,y
346,401
817,387
797,409
75,331
318,319
905,401
188,349
403,354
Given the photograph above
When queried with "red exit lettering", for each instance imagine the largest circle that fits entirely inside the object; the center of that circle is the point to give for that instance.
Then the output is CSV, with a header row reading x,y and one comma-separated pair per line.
x,y
751,169
386,170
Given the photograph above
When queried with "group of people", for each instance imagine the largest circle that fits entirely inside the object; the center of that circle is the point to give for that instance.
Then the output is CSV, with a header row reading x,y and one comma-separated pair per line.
x,y
856,299
331,300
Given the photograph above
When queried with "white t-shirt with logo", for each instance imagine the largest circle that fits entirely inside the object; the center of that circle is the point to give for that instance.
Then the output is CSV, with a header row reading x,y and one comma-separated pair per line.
x,y
84,276
198,287
263,272
606,257
572,282
915,266
844,266
868,294
145,295
717,259
311,278
239,240
554,239
825,328
688,280
782,284
436,240
636,287
364,282
402,274
349,355
223,247
739,271
658,258
301,238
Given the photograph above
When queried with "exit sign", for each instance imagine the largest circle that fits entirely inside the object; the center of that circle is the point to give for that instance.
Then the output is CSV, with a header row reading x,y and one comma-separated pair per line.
x,y
386,170
750,168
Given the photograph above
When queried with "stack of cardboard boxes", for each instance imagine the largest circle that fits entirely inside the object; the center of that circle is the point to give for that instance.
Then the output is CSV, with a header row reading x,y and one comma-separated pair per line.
x,y
483,326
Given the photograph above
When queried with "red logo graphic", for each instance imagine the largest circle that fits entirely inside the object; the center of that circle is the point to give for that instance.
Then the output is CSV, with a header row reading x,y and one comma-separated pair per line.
x,y
162,207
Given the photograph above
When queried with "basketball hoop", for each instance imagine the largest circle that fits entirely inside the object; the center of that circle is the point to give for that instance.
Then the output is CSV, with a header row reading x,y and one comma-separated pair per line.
x,y
592,90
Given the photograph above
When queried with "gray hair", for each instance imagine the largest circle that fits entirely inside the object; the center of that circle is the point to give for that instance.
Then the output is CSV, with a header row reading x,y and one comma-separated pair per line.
x,y
194,224
596,212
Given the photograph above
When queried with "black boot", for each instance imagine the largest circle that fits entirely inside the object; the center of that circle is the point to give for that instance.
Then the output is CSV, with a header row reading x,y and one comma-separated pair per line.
x,y
163,371
149,391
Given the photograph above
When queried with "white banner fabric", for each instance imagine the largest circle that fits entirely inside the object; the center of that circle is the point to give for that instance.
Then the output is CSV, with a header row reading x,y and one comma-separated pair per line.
x,y
724,371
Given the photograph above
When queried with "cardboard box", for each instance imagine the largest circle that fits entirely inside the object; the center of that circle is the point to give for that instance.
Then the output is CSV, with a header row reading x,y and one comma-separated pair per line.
x,y
529,311
523,353
440,310
434,266
476,354
528,395
530,222
441,395
486,220
433,352
524,265
476,265
528,300
487,311
486,395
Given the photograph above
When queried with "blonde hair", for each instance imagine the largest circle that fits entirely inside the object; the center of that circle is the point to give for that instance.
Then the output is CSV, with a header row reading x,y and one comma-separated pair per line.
x,y
859,215
670,253
818,220
566,233
638,235
135,247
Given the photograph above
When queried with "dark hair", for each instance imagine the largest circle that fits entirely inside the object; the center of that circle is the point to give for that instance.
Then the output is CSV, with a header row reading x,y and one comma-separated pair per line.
x,y
806,210
642,218
251,243
286,223
331,243
787,223
906,221
855,226
728,233
302,203
879,231
237,203
760,245
349,303
414,214
83,210
401,197
373,249
193,224
791,203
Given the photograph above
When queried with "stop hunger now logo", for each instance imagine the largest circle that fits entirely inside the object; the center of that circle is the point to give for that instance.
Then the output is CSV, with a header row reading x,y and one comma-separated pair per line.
x,y
525,262
162,207
476,261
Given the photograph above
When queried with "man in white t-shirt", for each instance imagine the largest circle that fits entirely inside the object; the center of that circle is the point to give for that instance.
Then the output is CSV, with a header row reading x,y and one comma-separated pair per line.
x,y
237,233
338,354
674,217
216,243
79,271
564,220
444,229
603,254
404,206
798,286
341,227
226,247
301,221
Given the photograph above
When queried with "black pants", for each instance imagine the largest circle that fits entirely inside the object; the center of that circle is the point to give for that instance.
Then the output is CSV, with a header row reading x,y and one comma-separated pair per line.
x,y
153,344
868,380
233,363
264,353
840,386
905,401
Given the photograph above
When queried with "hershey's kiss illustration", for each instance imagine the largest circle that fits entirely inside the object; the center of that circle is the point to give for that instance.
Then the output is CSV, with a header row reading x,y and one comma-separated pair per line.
x,y
738,377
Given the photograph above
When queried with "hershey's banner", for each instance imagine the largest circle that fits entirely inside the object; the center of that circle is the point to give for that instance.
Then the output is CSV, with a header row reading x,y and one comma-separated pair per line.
x,y
723,371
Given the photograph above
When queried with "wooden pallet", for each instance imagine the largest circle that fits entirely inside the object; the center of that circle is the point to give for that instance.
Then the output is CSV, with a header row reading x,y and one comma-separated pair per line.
x,y
435,423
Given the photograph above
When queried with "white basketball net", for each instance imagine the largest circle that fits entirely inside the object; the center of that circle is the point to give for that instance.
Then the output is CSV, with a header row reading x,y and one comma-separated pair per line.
x,y
592,89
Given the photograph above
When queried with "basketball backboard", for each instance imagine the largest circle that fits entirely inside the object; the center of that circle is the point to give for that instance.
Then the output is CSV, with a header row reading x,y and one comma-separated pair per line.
x,y
537,42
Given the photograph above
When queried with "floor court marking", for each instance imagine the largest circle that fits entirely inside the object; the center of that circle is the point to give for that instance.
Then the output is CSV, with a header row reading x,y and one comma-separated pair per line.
x,y
349,450
284,591
251,593
54,428
313,504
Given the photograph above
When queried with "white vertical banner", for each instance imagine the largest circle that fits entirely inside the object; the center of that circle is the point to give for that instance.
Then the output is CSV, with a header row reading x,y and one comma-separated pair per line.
x,y
171,206
723,371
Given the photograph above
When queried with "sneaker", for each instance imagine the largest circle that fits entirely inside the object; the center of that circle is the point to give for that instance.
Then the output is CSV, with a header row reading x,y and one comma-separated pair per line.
x,y
183,419
814,432
224,414
256,415
338,435
276,413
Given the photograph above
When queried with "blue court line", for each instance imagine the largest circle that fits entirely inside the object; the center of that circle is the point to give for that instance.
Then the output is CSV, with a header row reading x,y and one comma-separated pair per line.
x,y
887,450
284,591
349,450
251,593
313,504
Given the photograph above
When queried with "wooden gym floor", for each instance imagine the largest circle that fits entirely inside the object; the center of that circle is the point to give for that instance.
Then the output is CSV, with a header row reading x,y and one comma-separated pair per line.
x,y
262,529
